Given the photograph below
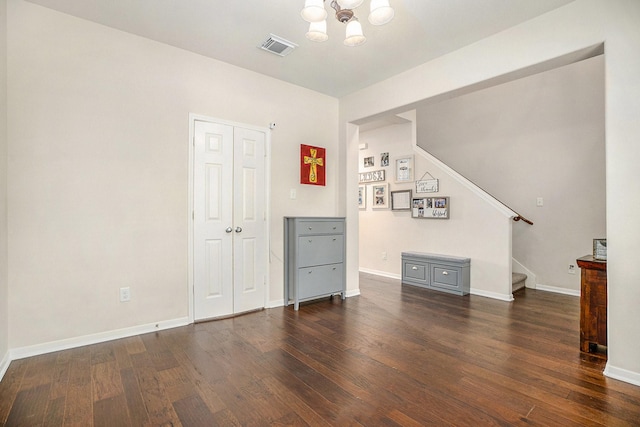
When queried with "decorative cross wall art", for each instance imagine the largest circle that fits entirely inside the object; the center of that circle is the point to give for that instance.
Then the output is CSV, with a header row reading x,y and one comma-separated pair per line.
x,y
312,165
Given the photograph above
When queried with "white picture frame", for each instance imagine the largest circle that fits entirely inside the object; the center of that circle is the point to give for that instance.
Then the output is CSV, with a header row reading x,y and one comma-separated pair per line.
x,y
403,168
380,196
362,197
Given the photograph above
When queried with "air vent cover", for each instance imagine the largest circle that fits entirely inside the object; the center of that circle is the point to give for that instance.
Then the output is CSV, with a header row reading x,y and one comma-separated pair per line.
x,y
278,45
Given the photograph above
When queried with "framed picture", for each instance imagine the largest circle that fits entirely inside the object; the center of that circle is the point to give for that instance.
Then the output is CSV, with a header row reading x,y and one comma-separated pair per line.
x,y
380,196
600,249
362,197
368,162
403,167
312,165
430,207
384,159
401,200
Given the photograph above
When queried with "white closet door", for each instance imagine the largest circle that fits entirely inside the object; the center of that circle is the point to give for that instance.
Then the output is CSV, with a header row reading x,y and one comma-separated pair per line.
x,y
229,220
249,217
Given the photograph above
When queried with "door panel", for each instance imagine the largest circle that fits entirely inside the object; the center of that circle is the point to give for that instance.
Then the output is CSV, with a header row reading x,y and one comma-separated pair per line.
x,y
250,244
214,259
213,246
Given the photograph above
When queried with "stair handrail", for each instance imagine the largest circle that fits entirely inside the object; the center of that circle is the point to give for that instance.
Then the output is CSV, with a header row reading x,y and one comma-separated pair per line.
x,y
520,217
462,178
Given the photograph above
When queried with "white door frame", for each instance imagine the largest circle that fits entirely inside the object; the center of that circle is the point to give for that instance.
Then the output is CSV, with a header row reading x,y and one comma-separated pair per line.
x,y
190,208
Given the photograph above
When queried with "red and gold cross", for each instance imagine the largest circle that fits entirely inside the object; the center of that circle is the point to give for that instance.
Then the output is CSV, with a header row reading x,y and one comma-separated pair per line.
x,y
313,163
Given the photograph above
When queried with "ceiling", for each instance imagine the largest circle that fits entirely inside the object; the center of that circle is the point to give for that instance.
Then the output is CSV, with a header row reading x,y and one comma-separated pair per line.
x,y
232,30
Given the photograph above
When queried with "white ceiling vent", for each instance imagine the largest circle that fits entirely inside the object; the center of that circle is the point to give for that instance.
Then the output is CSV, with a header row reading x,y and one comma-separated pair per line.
x,y
278,45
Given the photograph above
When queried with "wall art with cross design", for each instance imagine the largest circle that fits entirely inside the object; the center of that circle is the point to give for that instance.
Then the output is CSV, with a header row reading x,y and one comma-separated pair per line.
x,y
313,162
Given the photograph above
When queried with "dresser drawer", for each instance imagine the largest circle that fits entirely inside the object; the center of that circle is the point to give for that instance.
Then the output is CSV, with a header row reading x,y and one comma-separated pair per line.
x,y
320,227
415,271
445,277
322,280
320,250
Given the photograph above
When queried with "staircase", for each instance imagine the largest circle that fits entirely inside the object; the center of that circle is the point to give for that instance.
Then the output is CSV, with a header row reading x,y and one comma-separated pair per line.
x,y
517,281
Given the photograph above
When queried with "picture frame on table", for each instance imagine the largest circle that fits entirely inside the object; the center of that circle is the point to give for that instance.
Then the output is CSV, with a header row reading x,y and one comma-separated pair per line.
x,y
600,249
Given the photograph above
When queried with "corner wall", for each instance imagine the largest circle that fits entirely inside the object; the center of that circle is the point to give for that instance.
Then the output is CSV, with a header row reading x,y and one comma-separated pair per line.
x,y
4,286
577,26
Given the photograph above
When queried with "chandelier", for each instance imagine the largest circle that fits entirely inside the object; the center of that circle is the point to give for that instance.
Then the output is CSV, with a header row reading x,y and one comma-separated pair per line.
x,y
315,13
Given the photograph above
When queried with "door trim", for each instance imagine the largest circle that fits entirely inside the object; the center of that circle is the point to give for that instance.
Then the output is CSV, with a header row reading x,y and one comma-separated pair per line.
x,y
190,208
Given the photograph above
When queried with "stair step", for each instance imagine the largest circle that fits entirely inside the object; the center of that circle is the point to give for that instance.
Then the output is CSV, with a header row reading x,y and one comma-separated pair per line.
x,y
517,281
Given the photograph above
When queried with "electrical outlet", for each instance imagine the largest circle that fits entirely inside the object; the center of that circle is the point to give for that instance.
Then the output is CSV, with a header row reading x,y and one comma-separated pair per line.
x,y
539,202
384,256
572,269
125,294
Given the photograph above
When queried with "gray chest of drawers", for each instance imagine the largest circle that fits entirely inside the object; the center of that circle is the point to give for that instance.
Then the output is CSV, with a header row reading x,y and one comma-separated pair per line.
x,y
314,253
438,272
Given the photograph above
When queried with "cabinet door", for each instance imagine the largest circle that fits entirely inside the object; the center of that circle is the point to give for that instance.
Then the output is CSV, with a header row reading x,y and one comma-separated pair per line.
x,y
445,277
321,280
415,271
320,250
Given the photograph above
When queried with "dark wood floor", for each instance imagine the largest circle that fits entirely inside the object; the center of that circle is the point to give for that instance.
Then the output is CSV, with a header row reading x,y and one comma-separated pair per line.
x,y
394,356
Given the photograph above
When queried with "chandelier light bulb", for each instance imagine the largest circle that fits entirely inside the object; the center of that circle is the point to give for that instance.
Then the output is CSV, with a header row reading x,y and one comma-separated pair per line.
x,y
349,4
314,11
354,37
381,12
318,31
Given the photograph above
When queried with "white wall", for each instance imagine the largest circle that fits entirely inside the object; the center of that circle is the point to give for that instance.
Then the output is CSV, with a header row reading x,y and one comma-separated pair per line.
x,y
539,136
475,229
4,287
98,170
577,26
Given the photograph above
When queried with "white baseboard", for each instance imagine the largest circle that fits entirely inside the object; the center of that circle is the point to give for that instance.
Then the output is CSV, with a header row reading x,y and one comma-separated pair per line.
x,y
275,303
564,291
381,273
4,365
353,293
49,347
494,295
622,374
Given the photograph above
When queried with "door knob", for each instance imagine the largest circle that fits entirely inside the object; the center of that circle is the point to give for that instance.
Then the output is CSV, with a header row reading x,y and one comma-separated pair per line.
x,y
229,230
238,229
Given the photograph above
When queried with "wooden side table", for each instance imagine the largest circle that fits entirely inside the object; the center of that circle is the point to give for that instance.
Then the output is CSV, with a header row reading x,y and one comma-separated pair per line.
x,y
593,306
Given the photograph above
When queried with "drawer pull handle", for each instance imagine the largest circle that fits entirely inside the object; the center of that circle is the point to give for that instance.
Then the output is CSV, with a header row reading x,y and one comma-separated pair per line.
x,y
414,268
310,272
445,273
310,228
335,228
334,239
310,240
